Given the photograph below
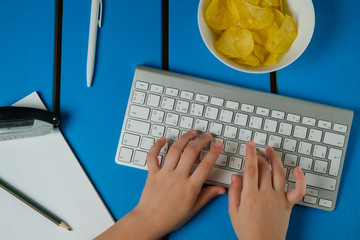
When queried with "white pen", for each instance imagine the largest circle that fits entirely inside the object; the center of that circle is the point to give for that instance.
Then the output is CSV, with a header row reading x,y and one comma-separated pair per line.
x,y
95,21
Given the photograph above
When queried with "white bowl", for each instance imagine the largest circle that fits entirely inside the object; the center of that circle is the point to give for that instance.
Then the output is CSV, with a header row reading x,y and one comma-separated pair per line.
x,y
302,11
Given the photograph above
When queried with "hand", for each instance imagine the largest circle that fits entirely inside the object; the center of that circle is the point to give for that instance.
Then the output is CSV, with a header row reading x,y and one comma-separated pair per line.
x,y
172,193
261,209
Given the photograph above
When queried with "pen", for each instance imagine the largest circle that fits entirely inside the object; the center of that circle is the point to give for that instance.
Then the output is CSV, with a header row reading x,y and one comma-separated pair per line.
x,y
95,22
33,205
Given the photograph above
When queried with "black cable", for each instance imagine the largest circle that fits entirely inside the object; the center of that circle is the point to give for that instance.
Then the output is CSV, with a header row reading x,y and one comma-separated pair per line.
x,y
57,69
273,82
165,34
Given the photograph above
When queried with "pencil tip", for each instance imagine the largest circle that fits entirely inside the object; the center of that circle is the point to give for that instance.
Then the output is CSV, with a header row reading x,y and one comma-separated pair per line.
x,y
64,225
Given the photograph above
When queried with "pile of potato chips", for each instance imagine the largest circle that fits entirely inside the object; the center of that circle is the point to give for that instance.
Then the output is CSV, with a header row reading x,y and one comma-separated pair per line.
x,y
252,32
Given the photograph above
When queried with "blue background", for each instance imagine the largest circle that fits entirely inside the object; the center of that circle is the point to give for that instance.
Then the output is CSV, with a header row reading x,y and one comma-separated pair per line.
x,y
328,72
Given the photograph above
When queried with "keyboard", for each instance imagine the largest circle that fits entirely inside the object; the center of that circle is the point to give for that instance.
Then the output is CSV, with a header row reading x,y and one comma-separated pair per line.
x,y
305,134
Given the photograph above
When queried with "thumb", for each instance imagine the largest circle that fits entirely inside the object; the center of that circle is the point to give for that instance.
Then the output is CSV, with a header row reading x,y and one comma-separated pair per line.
x,y
206,195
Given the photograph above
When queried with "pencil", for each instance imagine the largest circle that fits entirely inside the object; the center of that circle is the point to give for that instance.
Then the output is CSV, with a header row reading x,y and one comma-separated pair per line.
x,y
33,205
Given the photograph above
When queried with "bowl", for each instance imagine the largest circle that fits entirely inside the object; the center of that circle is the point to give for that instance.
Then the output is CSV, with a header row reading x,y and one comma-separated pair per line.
x,y
304,16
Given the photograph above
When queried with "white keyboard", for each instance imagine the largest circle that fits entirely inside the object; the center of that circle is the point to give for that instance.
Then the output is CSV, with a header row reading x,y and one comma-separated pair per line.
x,y
304,134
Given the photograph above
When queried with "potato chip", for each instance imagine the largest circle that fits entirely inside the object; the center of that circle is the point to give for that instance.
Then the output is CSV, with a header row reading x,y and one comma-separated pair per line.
x,y
250,60
266,33
218,17
235,42
259,39
260,52
270,3
251,16
253,2
282,40
271,59
279,17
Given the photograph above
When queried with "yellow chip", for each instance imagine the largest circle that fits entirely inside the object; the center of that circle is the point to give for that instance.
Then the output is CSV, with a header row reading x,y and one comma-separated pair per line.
x,y
282,40
235,42
270,3
218,17
253,2
260,52
251,16
271,59
268,32
250,60
259,39
279,17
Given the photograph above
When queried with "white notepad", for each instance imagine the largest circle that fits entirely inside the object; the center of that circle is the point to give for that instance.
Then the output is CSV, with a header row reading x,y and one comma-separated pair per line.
x,y
45,169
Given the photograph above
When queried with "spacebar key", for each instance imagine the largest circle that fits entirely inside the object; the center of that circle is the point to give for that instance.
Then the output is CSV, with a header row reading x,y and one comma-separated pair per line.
x,y
218,175
137,126
320,181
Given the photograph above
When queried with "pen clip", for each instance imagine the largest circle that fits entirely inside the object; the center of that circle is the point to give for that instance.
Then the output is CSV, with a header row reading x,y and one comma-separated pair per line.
x,y
100,11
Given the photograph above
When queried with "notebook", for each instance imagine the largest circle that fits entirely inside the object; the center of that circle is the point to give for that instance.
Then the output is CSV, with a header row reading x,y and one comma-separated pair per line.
x,y
45,169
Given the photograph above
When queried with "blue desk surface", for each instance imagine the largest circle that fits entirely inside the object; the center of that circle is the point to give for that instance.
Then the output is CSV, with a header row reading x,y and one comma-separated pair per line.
x,y
327,72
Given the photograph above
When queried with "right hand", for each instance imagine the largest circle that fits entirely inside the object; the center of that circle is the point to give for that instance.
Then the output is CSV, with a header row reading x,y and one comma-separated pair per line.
x,y
261,209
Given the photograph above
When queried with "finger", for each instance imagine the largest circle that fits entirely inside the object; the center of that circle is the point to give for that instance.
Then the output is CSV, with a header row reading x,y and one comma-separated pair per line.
x,y
298,192
234,193
152,156
278,173
206,195
251,167
190,153
173,156
264,174
202,171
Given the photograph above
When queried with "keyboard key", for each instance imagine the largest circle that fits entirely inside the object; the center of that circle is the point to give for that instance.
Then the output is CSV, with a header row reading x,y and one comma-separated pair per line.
x,y
182,106
157,131
319,151
235,163
240,119
274,141
291,176
324,124
308,121
216,128
242,149
293,118
262,111
304,148
137,126
131,140
277,114
334,139
141,85
247,108
211,112
157,116
285,128
260,138
290,160
255,122
218,175
325,203
340,128
270,125
172,119
245,135
201,98
196,109
311,192
172,133
320,181
310,199
140,158
167,103
300,132
201,125
186,122
171,91
138,97
217,101
157,88
289,144
221,160
334,157
315,135
125,154
187,95
139,112
226,116
230,132
146,143
165,148
305,163
232,105
231,147
320,166
153,100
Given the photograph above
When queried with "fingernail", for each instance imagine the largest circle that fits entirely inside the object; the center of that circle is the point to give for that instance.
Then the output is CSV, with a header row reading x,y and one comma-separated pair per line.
x,y
162,139
218,144
251,143
192,131
232,178
300,170
221,192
